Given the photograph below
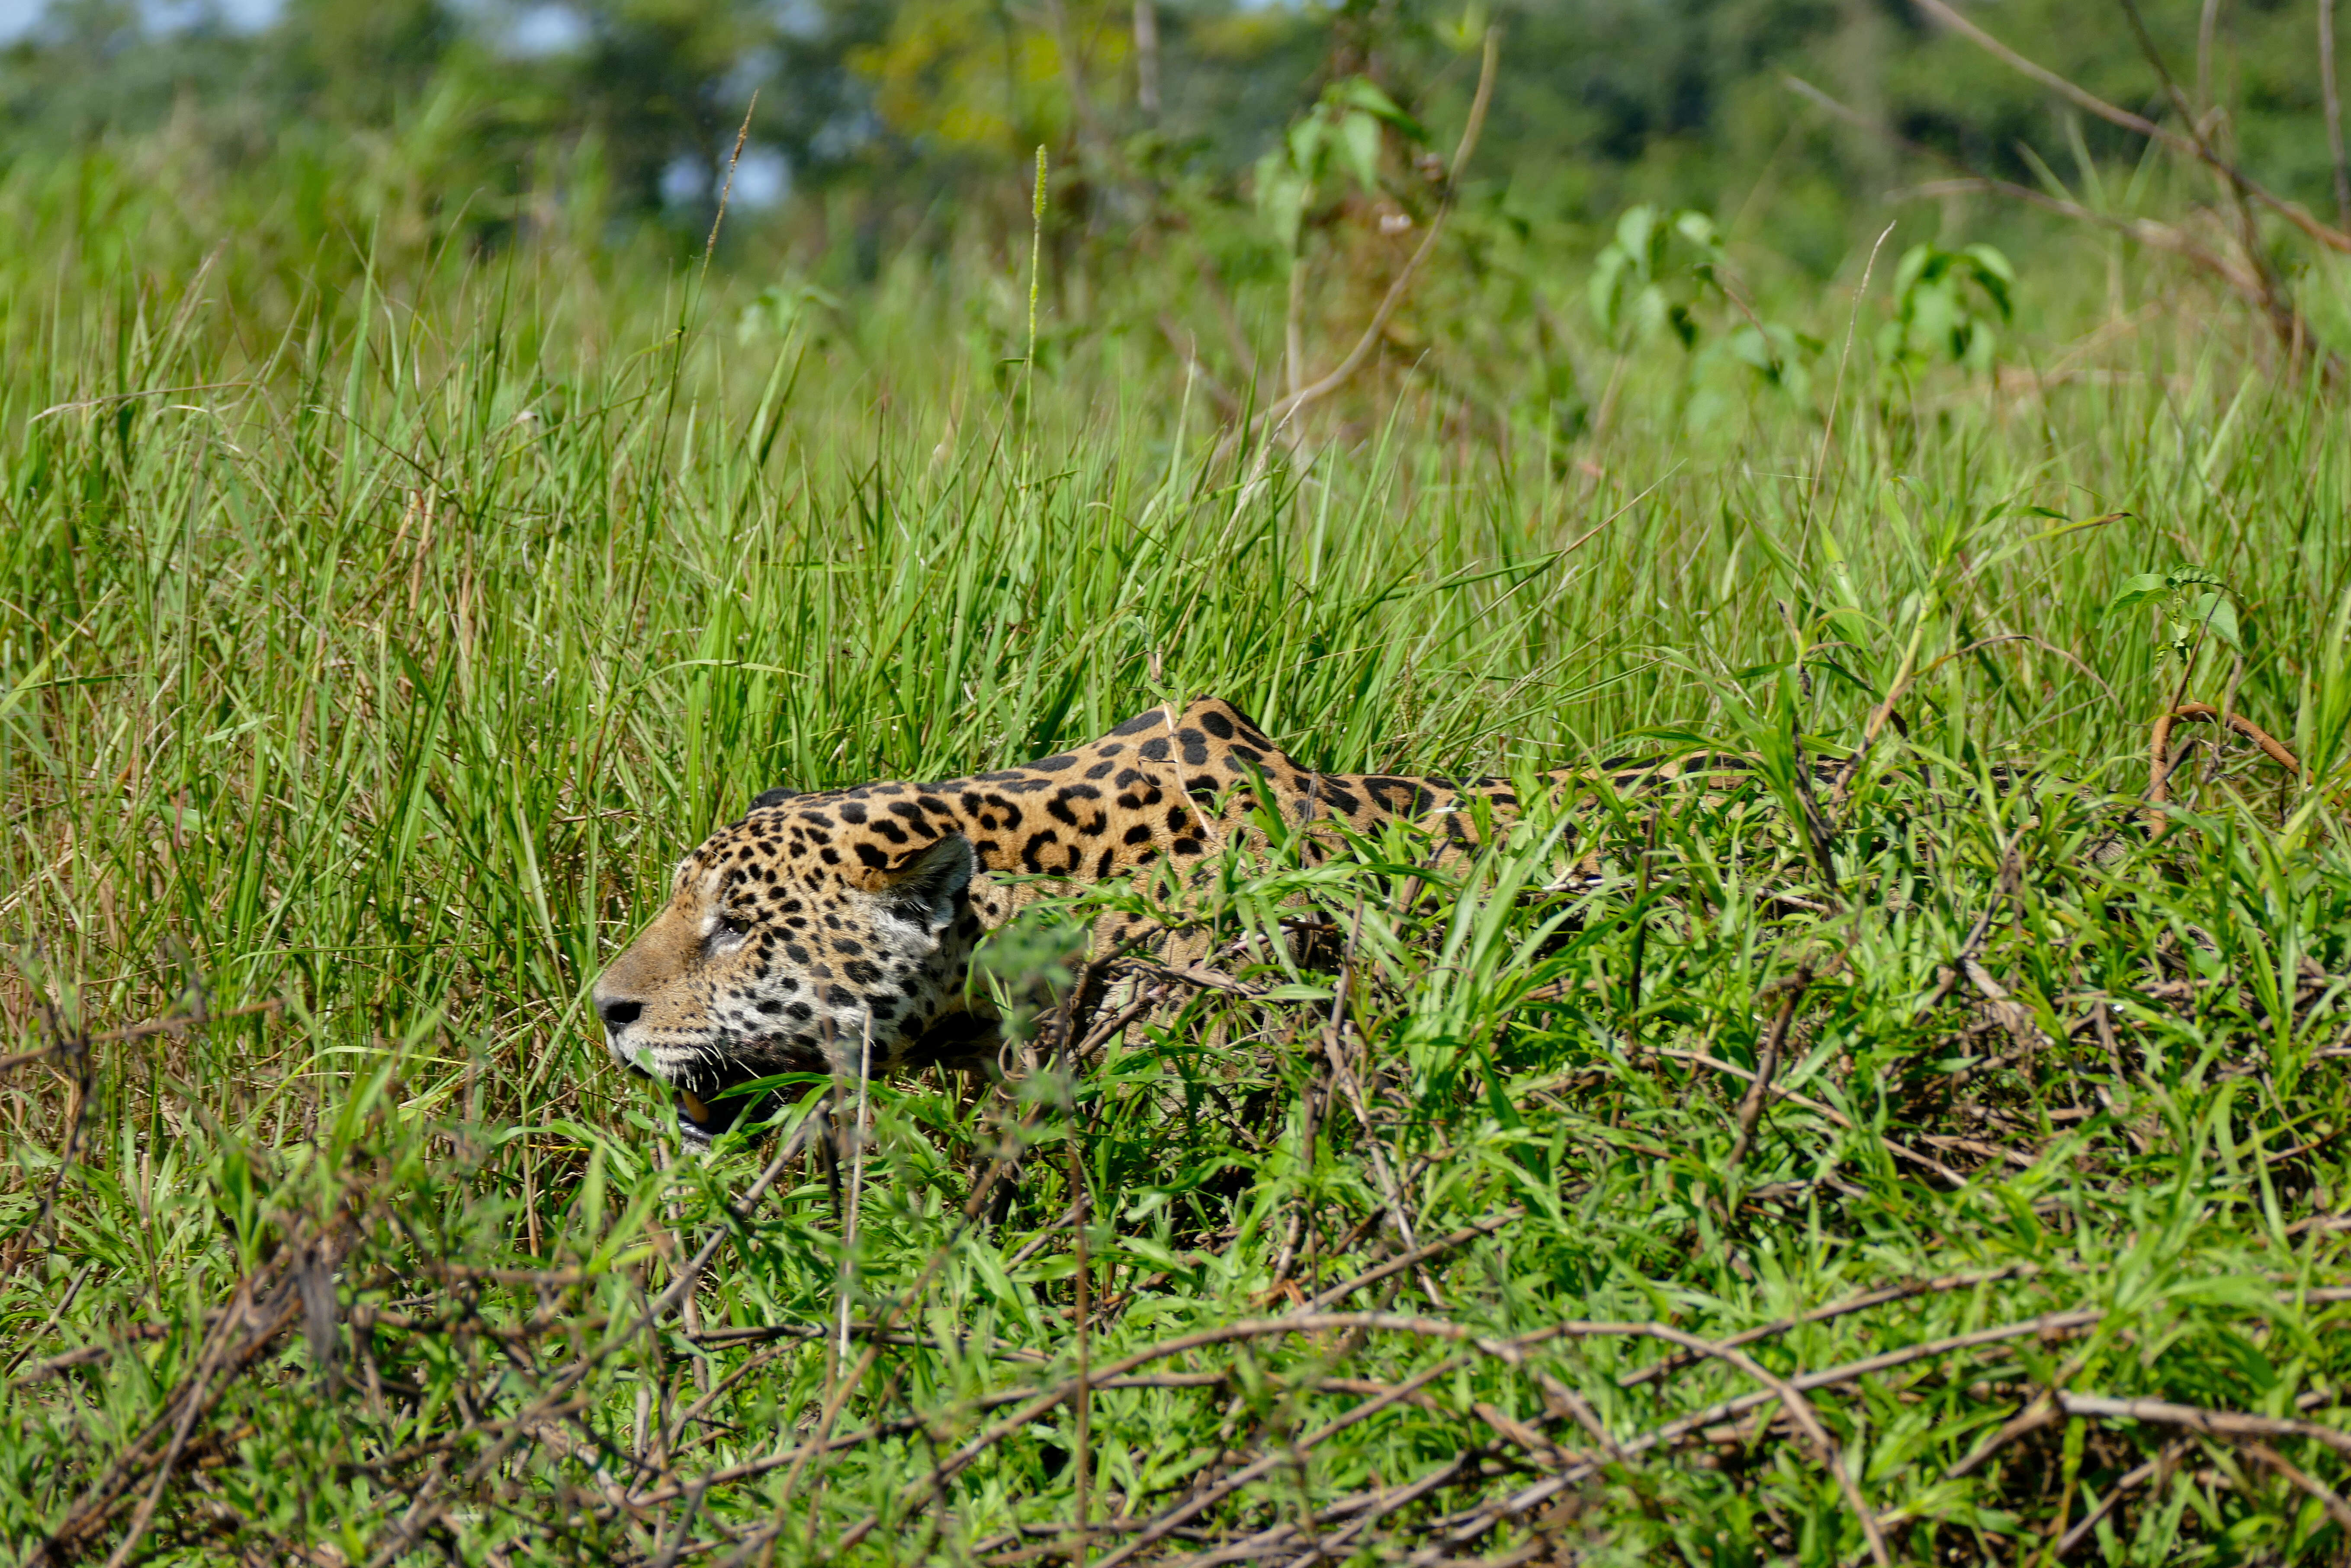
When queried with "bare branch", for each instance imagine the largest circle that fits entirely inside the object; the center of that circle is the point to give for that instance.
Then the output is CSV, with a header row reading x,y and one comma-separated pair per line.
x,y
2293,213
1285,407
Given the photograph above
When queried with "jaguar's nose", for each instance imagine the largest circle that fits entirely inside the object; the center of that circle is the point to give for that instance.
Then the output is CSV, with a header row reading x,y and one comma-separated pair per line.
x,y
618,1015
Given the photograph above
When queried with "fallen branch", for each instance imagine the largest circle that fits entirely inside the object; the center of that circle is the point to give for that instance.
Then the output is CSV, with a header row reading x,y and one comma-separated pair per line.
x,y
1511,1353
1479,1519
264,1305
1168,1522
1414,1259
899,1428
2196,1418
430,1501
1867,1299
2038,1412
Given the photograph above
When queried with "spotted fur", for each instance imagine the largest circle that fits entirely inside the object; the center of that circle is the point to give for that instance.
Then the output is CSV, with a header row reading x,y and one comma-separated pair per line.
x,y
821,927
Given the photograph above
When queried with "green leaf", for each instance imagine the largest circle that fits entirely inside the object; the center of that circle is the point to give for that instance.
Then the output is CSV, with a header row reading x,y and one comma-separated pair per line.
x,y
1282,197
2216,613
1306,137
1359,139
2136,589
1633,232
1912,265
1360,94
1605,289
1357,93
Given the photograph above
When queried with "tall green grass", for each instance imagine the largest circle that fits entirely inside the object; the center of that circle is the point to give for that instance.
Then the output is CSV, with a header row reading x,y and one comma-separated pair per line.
x,y
371,645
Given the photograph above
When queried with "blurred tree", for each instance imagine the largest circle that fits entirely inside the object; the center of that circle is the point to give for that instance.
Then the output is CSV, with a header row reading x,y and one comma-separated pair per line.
x,y
667,84
668,81
893,105
960,77
355,63
90,66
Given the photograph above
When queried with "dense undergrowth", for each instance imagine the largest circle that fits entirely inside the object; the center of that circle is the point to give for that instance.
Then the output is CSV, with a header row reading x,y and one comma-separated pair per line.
x,y
366,657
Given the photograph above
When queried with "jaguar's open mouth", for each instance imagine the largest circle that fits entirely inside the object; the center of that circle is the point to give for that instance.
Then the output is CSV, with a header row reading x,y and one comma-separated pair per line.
x,y
701,1122
710,1099
707,1111
710,1104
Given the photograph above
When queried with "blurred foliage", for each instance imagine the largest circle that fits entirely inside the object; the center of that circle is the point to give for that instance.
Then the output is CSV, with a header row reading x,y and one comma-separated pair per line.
x,y
1651,209
1651,277
1344,132
1604,104
1941,299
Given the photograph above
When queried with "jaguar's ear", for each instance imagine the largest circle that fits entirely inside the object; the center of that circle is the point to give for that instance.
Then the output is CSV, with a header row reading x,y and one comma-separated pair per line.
x,y
772,798
925,883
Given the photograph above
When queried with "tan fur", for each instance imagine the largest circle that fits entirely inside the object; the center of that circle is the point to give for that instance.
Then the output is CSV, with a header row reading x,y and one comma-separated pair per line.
x,y
823,926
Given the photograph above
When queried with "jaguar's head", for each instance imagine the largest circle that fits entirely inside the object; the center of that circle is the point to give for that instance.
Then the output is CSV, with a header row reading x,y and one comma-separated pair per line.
x,y
795,941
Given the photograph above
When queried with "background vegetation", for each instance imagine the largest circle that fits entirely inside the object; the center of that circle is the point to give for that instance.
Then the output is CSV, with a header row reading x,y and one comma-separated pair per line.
x,y
416,531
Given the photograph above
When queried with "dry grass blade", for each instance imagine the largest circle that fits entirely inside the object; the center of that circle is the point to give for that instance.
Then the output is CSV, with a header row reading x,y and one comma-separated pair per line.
x,y
2152,1470
1837,1117
1861,1302
2038,1413
1165,1525
2337,1509
262,1307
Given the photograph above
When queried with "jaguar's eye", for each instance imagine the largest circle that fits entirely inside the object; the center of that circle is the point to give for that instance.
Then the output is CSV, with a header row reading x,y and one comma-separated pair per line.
x,y
734,924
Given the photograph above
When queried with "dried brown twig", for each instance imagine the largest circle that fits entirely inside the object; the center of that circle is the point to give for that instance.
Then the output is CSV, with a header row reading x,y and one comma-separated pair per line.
x,y
2160,766
2337,1509
1468,1526
1511,1352
1851,1304
2204,1422
1750,1104
264,1305
2240,277
1898,1150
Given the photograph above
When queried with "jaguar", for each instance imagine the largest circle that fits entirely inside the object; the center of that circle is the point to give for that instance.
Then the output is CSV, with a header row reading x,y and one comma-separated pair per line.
x,y
832,932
